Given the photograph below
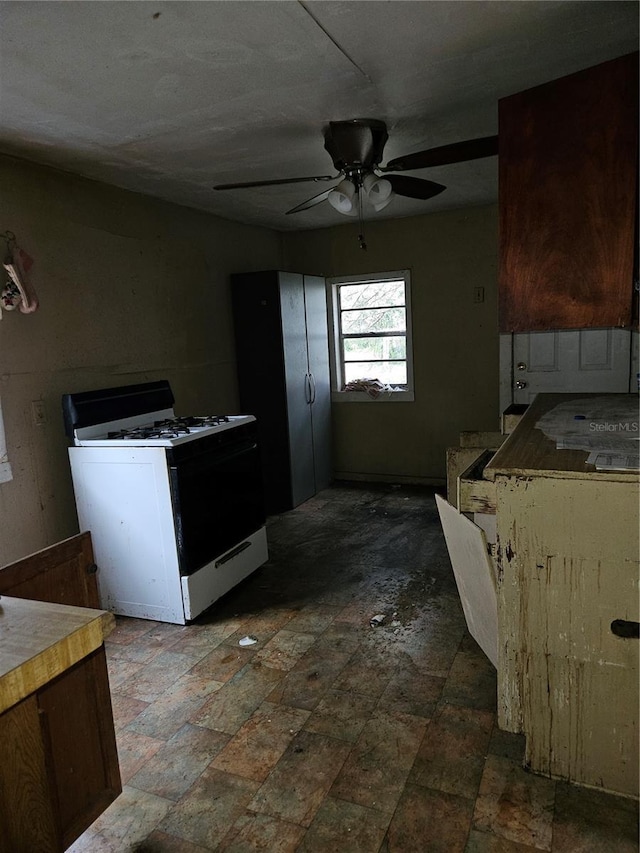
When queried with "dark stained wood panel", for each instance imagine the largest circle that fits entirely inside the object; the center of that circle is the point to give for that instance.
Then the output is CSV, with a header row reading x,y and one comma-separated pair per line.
x,y
61,574
568,180
83,762
27,821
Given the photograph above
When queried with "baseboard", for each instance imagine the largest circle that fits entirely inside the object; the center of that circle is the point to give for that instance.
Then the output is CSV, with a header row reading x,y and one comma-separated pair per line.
x,y
396,479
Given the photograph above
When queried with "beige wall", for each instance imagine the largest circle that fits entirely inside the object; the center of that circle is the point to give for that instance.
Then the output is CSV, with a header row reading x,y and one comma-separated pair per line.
x,y
131,289
455,340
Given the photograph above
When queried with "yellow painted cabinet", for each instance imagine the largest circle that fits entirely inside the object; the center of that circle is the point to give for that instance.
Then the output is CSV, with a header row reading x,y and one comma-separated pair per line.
x,y
567,562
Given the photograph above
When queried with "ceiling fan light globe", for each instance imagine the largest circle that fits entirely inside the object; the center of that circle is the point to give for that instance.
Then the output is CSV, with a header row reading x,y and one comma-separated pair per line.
x,y
378,190
341,197
382,204
340,202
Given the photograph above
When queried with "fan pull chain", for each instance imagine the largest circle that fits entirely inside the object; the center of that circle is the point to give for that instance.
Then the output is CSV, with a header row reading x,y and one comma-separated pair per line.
x,y
363,245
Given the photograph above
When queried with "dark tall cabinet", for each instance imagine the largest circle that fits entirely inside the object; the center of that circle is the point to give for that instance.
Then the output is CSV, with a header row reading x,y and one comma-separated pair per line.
x,y
282,348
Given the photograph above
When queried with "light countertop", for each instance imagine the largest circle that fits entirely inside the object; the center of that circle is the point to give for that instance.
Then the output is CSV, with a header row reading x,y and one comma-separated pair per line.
x,y
39,641
528,451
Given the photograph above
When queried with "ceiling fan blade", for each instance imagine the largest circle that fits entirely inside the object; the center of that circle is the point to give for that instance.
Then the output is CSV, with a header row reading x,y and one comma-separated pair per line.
x,y
310,202
414,187
273,183
457,152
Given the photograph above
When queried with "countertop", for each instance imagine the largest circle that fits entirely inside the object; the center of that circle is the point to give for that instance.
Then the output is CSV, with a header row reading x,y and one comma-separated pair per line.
x,y
39,641
528,451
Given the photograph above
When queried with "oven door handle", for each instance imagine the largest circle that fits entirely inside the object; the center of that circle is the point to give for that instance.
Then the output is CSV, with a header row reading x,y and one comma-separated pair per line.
x,y
233,553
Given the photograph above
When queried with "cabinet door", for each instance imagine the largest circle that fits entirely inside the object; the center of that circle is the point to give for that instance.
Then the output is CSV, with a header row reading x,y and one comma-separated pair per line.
x,y
261,377
568,169
294,337
318,354
82,760
27,821
58,760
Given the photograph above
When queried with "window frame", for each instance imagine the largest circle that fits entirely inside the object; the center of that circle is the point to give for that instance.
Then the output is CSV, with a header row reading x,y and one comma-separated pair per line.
x,y
336,338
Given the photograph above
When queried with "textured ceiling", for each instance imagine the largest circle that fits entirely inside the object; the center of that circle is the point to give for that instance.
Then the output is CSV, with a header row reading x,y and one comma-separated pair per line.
x,y
170,98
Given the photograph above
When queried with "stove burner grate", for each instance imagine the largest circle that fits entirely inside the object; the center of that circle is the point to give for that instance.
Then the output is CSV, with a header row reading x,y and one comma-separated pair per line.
x,y
188,422
148,432
169,428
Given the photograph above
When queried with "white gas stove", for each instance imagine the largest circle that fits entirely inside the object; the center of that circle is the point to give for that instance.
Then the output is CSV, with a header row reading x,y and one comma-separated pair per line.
x,y
174,505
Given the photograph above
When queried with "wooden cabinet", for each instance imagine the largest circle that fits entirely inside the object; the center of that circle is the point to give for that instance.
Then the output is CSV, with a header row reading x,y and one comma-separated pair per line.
x,y
63,574
567,195
567,560
282,351
58,758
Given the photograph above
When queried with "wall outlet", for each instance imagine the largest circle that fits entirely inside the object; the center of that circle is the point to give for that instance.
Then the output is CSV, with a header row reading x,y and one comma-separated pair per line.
x,y
478,294
38,414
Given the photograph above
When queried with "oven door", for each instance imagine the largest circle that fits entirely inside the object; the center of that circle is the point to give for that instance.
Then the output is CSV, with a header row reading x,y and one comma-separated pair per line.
x,y
217,495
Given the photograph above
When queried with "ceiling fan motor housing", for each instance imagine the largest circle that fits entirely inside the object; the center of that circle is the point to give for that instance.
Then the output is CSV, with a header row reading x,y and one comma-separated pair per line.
x,y
355,145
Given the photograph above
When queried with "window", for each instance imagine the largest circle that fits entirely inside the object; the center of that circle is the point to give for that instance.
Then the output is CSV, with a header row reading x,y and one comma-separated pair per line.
x,y
371,340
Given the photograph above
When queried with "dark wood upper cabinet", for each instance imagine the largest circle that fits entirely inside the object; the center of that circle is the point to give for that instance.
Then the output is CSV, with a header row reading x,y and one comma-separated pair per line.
x,y
568,189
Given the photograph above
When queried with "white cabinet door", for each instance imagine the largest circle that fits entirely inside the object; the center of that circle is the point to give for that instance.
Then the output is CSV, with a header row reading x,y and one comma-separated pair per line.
x,y
580,360
475,576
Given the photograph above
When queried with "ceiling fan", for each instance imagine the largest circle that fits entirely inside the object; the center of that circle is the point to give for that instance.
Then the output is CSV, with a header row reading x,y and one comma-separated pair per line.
x,y
356,147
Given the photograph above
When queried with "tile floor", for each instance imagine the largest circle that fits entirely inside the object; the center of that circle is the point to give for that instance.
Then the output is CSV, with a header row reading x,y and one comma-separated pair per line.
x,y
328,734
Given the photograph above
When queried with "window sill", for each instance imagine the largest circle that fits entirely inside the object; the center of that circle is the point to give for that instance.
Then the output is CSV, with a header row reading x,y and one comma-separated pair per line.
x,y
363,397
